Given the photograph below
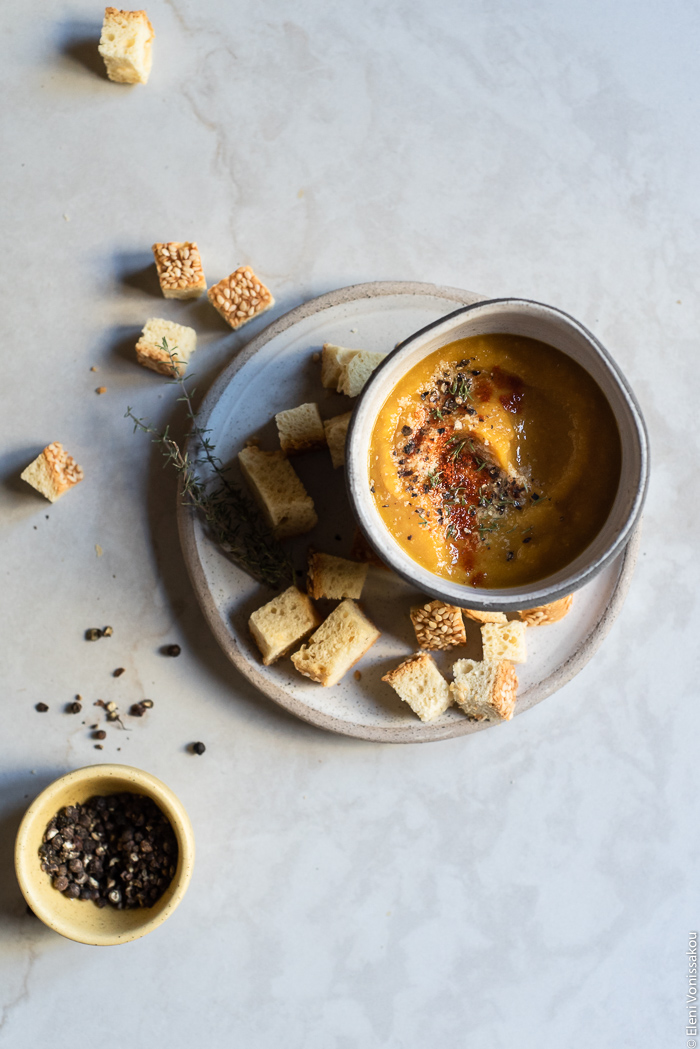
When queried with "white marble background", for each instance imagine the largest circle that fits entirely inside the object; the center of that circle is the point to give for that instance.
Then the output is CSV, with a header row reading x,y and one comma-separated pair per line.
x,y
531,886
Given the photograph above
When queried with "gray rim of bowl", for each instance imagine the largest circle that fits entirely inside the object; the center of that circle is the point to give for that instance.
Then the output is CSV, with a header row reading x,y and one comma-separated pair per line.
x,y
419,733
485,600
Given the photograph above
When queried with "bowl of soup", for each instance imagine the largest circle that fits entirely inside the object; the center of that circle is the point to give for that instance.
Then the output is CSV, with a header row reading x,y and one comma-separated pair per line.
x,y
498,459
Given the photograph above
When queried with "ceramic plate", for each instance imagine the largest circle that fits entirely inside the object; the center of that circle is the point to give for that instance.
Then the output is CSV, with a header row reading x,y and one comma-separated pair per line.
x,y
277,371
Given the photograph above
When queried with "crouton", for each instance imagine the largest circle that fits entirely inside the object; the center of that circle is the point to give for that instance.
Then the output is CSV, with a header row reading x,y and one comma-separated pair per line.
x,y
279,624
418,682
300,429
438,625
165,347
336,430
335,577
485,691
53,472
125,45
336,646
285,503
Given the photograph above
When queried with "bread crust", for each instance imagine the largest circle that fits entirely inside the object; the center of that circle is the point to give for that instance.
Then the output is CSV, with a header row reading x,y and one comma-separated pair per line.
x,y
550,613
438,625
240,297
53,472
485,617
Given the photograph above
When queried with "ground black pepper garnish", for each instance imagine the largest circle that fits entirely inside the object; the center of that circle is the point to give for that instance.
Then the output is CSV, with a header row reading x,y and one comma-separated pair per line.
x,y
41,707
172,650
119,849
198,748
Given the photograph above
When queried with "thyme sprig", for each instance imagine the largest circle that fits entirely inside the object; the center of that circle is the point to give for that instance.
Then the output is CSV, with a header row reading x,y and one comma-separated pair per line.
x,y
232,519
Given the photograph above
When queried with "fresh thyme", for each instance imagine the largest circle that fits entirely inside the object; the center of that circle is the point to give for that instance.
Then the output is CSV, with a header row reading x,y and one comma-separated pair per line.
x,y
233,521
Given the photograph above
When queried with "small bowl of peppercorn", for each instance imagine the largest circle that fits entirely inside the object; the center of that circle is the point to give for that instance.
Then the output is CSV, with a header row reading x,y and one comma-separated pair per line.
x,y
104,854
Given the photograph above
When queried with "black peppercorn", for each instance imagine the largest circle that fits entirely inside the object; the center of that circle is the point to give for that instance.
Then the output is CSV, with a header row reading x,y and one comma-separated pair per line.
x,y
198,748
173,650
93,634
118,672
41,707
100,734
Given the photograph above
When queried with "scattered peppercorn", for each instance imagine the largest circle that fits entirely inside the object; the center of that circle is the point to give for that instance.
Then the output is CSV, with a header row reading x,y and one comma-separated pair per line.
x,y
93,634
98,746
73,708
100,734
528,539
510,555
136,710
118,672
198,748
172,650
41,707
119,849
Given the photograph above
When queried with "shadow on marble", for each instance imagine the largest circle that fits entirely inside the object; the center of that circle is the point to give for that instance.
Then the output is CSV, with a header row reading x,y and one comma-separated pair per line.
x,y
77,40
118,344
136,269
12,464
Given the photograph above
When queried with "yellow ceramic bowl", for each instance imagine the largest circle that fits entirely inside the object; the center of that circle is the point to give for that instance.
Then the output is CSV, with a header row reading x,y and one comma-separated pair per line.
x,y
81,920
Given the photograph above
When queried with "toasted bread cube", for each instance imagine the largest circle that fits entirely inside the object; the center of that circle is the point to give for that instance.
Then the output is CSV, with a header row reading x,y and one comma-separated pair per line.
x,y
335,577
53,472
337,645
285,503
240,297
504,641
179,268
125,45
550,613
356,371
332,360
165,347
418,682
485,617
485,691
278,625
362,551
300,429
336,434
438,625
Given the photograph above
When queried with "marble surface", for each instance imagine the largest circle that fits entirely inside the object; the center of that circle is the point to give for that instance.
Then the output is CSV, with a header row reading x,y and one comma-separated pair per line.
x,y
529,886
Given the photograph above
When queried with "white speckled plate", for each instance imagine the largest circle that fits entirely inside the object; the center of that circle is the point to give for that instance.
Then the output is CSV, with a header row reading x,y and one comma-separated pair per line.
x,y
276,371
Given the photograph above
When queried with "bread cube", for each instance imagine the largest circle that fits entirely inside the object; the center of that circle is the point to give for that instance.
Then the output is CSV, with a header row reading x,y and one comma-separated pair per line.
x,y
418,682
240,297
165,347
179,269
336,434
332,360
356,371
335,577
485,617
504,641
53,472
550,613
285,503
300,429
125,45
362,551
278,625
336,646
485,691
438,625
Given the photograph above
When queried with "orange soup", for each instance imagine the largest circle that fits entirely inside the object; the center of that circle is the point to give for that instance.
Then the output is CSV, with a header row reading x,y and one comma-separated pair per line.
x,y
495,461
